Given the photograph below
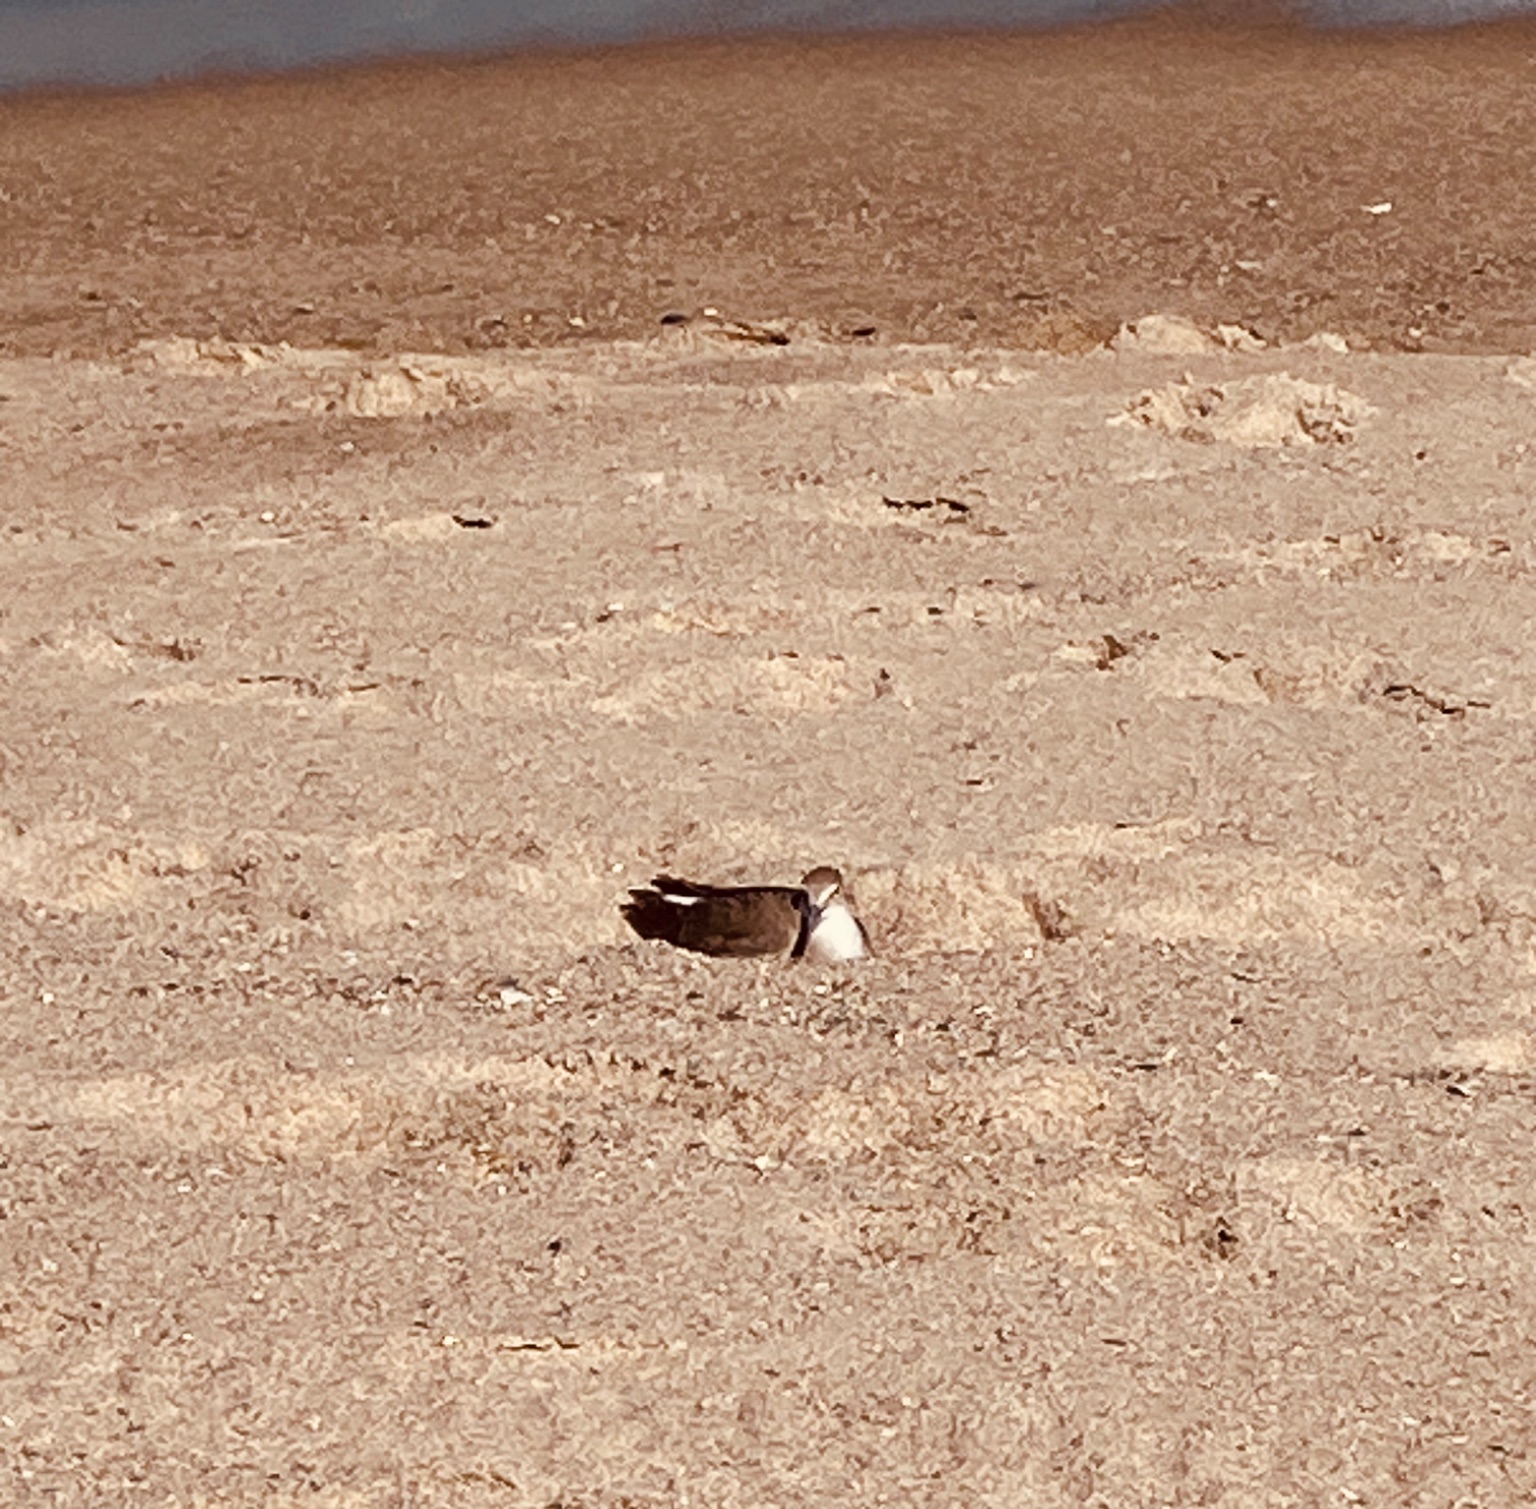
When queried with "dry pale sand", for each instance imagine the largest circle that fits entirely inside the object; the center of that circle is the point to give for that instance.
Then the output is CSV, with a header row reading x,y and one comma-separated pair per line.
x,y
1171,711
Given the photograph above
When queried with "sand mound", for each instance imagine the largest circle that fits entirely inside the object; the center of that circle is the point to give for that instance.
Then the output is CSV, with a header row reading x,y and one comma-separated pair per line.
x,y
1162,335
1255,412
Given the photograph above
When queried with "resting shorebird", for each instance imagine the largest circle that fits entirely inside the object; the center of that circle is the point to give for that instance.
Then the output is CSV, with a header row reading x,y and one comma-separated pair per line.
x,y
806,921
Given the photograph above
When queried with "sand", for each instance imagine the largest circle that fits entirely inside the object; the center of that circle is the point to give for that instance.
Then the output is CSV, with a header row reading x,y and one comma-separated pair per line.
x,y
1168,703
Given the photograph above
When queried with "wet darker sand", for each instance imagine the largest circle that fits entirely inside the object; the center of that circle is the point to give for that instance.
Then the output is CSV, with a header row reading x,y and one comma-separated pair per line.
x,y
1027,190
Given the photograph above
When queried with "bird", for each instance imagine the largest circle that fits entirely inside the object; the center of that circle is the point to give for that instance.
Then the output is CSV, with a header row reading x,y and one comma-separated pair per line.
x,y
808,921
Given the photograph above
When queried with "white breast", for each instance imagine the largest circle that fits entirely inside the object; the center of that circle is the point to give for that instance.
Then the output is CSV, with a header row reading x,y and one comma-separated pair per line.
x,y
837,936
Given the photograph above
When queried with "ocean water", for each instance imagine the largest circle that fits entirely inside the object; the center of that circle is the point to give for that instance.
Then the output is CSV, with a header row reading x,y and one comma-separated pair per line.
x,y
137,41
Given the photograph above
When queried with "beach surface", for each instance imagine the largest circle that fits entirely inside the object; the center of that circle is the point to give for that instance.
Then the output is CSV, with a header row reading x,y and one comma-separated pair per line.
x,y
398,562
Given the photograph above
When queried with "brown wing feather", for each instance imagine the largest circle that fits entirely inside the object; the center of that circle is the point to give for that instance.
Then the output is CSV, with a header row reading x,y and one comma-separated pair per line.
x,y
726,921
651,915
